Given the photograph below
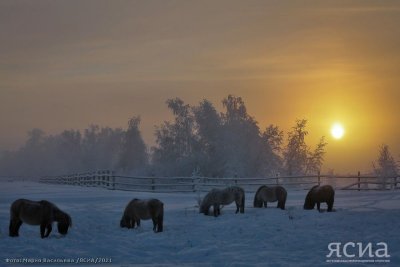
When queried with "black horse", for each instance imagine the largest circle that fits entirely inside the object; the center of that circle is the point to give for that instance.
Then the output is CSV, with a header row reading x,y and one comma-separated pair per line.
x,y
42,213
319,194
137,210
266,194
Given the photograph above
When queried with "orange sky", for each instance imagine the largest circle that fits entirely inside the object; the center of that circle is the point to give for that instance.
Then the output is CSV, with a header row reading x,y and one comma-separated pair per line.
x,y
67,64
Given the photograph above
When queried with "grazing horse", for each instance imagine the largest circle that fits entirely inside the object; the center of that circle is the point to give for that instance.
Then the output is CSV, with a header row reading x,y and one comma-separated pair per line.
x,y
137,210
266,194
217,197
42,213
318,194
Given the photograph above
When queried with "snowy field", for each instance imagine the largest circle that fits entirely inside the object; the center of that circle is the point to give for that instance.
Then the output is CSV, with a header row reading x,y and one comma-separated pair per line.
x,y
259,237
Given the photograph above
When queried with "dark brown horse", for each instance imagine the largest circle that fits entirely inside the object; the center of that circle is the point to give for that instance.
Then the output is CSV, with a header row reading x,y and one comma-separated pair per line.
x,y
319,194
217,197
137,210
42,213
266,194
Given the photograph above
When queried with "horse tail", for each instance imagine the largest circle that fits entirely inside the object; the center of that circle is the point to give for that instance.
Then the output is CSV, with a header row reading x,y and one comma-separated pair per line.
x,y
243,202
258,203
282,197
331,198
160,219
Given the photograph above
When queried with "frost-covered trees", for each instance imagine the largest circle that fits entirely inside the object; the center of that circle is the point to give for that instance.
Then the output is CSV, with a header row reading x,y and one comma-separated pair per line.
x,y
217,145
272,139
101,147
242,142
71,151
385,166
133,157
298,157
198,139
208,129
174,153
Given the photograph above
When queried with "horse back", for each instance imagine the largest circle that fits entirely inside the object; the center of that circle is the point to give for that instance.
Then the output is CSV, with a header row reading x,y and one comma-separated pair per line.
x,y
31,212
145,209
324,193
270,193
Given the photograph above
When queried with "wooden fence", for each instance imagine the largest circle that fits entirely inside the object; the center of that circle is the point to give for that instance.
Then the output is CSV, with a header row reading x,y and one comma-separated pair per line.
x,y
104,178
108,179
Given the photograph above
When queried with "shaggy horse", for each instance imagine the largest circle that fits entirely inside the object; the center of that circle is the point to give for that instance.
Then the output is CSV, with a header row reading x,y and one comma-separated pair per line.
x,y
266,194
42,213
217,197
137,210
318,194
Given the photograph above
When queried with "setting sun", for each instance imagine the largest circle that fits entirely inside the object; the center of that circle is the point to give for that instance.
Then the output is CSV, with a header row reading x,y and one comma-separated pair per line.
x,y
337,131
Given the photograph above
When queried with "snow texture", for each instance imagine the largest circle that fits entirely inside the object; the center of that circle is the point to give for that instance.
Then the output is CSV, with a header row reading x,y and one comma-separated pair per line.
x,y
259,237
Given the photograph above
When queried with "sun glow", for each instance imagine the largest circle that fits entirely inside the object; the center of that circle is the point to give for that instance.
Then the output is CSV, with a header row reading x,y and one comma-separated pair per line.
x,y
337,131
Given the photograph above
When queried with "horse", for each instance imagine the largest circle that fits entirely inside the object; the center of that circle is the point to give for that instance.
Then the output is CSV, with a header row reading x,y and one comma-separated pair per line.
x,y
318,194
217,197
266,194
42,213
137,210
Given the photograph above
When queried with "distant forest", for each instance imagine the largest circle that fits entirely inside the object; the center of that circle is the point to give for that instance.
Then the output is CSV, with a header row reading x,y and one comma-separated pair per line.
x,y
199,140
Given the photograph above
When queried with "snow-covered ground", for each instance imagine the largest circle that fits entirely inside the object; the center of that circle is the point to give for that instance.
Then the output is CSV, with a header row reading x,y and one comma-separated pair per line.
x,y
259,237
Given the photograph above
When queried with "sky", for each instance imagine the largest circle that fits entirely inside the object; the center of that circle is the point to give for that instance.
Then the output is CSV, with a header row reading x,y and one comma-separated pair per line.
x,y
69,64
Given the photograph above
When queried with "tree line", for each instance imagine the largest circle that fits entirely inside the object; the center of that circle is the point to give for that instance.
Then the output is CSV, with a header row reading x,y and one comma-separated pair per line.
x,y
198,140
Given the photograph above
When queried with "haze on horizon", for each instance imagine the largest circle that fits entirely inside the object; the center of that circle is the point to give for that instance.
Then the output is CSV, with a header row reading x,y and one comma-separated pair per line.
x,y
69,64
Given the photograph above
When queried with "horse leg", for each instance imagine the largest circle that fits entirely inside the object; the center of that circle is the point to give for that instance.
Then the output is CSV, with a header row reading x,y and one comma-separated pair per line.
x,y
283,205
154,219
242,205
318,206
330,205
42,229
15,224
216,210
160,221
237,207
49,228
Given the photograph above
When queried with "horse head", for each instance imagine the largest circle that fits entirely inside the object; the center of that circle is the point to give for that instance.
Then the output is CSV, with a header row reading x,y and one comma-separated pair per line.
x,y
309,202
204,208
125,222
64,222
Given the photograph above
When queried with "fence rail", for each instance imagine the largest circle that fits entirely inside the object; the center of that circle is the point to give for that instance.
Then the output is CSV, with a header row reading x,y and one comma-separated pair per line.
x,y
109,180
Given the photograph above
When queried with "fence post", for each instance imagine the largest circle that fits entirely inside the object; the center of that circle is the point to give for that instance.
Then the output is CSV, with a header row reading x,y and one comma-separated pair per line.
x,y
153,187
277,178
319,178
113,180
359,181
